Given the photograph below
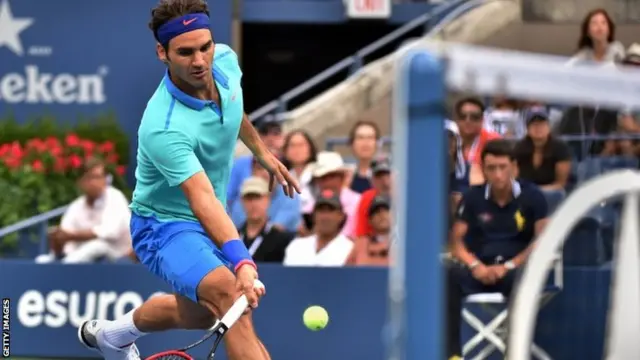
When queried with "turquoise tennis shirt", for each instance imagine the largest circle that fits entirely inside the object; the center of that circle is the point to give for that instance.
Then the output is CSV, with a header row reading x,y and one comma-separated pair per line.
x,y
180,135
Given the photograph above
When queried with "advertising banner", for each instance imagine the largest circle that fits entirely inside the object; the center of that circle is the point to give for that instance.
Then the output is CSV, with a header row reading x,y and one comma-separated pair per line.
x,y
75,58
44,304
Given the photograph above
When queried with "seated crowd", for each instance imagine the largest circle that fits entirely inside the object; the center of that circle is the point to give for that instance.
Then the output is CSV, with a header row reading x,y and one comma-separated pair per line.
x,y
342,216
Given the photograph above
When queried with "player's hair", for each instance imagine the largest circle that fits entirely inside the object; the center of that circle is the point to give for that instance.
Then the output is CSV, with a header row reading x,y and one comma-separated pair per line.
x,y
170,9
498,148
361,123
468,100
585,40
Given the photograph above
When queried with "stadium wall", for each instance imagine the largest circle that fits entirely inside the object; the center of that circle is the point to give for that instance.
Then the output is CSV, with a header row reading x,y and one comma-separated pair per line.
x,y
48,301
367,93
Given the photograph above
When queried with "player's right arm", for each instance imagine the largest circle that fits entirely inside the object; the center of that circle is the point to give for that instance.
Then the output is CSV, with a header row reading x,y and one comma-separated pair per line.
x,y
208,209
171,151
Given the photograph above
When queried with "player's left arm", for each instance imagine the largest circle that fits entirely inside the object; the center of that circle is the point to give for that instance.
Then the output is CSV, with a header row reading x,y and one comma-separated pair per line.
x,y
250,137
540,213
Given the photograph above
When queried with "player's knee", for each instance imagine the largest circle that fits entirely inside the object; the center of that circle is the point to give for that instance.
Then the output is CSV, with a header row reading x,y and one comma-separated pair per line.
x,y
217,291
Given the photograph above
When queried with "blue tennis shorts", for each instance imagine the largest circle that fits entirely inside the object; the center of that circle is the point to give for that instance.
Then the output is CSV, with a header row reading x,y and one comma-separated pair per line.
x,y
180,252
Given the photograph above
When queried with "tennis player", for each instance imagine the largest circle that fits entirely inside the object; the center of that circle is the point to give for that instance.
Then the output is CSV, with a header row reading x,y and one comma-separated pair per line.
x,y
179,226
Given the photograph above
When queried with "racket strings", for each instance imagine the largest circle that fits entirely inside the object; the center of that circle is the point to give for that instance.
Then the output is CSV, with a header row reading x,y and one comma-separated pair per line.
x,y
171,356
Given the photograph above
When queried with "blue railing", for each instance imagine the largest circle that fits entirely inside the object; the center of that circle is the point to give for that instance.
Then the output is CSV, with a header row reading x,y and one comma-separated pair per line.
x,y
355,62
40,221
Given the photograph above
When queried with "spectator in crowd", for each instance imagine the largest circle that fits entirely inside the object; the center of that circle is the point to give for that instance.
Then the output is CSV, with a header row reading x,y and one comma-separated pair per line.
x,y
469,116
299,152
326,246
266,243
377,244
329,173
629,121
363,138
363,231
95,226
284,212
504,117
494,231
542,158
597,40
270,131
458,180
588,120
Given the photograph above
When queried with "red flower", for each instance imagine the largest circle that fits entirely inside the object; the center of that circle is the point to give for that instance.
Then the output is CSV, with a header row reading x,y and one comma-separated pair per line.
x,y
56,150
75,161
16,150
37,145
52,142
106,147
60,165
12,163
120,170
37,166
4,149
88,145
112,158
72,140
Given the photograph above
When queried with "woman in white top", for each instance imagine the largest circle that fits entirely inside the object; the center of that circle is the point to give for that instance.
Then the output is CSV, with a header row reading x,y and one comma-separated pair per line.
x,y
597,40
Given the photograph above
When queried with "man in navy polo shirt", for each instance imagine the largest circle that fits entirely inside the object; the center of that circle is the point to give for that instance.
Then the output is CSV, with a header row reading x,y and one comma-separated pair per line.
x,y
494,228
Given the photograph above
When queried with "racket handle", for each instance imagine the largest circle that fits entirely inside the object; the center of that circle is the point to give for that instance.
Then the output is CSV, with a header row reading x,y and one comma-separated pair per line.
x,y
236,311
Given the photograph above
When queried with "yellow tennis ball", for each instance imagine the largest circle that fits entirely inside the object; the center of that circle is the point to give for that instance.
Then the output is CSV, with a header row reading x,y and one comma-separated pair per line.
x,y
315,318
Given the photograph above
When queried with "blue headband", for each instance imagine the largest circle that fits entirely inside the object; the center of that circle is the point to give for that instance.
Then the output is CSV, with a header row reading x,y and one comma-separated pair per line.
x,y
181,25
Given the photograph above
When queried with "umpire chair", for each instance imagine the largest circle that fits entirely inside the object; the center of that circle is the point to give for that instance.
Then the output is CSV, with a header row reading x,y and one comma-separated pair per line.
x,y
491,335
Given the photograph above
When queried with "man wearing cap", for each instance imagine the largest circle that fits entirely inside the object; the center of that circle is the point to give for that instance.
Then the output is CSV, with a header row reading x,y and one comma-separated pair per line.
x,y
326,246
377,243
266,243
329,173
542,159
284,212
270,131
381,181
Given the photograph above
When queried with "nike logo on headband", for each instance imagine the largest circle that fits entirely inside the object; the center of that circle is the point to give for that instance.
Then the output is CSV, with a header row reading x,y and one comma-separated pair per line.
x,y
187,22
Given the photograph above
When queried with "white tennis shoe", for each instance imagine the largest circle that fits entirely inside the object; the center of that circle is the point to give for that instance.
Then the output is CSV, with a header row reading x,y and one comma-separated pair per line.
x,y
91,335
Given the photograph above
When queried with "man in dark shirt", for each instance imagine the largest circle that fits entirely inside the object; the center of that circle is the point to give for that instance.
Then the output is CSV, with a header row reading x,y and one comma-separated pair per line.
x,y
494,230
266,243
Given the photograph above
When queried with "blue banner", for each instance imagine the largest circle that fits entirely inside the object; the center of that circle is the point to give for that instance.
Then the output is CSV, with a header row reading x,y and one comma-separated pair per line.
x,y
75,57
48,302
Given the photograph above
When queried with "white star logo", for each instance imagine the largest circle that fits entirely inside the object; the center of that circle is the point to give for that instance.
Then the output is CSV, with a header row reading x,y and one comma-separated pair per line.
x,y
11,27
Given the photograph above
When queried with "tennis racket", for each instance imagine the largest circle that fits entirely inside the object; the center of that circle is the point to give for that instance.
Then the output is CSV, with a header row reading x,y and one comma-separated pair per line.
x,y
218,330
